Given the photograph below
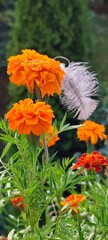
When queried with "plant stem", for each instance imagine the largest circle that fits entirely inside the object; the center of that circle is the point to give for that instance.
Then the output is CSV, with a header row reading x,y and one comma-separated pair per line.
x,y
89,147
46,154
39,97
33,142
79,227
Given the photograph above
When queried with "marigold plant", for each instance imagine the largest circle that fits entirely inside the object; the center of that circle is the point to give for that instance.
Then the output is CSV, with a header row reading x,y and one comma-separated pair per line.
x,y
27,116
94,160
32,177
91,131
34,69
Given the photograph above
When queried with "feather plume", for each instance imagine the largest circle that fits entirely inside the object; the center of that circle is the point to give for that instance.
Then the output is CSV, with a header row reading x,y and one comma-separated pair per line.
x,y
78,87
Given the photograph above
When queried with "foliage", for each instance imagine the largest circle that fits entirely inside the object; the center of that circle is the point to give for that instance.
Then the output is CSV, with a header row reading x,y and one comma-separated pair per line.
x,y
43,195
99,60
6,18
52,27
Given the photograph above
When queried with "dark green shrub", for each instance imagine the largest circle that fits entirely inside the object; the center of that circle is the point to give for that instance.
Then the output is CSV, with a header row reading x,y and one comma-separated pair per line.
x,y
52,27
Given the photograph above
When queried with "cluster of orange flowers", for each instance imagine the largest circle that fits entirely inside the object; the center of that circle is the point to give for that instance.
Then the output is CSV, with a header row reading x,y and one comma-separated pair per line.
x,y
91,131
18,202
93,160
73,201
32,68
35,71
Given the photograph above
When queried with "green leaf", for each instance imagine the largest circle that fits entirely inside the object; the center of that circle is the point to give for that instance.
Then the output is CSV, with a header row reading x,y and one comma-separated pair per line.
x,y
6,149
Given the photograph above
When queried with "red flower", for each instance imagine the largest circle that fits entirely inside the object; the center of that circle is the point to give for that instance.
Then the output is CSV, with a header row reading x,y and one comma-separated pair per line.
x,y
92,160
18,202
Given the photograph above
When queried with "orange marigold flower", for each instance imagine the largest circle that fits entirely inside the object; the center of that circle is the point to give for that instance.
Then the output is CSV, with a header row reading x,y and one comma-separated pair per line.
x,y
73,201
32,68
51,137
18,202
92,160
28,117
91,131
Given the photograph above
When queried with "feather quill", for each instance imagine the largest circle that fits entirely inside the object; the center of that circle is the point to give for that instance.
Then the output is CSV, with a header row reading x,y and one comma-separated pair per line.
x,y
78,87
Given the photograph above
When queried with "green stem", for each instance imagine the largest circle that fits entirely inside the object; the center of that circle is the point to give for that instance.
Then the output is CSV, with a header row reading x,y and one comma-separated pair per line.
x,y
31,219
89,146
79,227
39,97
33,142
38,93
46,154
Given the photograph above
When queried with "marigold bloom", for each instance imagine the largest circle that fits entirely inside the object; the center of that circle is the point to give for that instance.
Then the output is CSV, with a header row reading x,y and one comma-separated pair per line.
x,y
92,160
51,137
32,68
28,117
73,201
91,131
18,202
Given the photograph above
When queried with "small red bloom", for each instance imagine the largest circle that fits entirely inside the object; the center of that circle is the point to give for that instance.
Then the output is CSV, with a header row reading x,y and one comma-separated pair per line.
x,y
93,160
18,202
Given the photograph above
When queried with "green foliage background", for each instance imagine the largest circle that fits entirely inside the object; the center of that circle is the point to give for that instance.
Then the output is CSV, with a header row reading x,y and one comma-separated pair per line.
x,y
6,18
52,27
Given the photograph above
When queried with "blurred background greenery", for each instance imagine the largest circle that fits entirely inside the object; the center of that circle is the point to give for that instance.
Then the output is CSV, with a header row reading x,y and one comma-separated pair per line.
x,y
76,29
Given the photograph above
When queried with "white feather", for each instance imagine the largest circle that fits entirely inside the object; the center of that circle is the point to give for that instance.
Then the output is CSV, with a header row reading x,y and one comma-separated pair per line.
x,y
10,235
78,86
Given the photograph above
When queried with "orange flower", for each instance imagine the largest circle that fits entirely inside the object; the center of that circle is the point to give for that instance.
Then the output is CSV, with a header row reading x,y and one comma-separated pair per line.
x,y
73,201
18,202
28,117
32,68
91,131
92,160
51,137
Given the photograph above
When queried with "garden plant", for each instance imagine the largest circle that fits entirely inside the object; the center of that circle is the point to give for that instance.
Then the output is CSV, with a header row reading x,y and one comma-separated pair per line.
x,y
43,197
